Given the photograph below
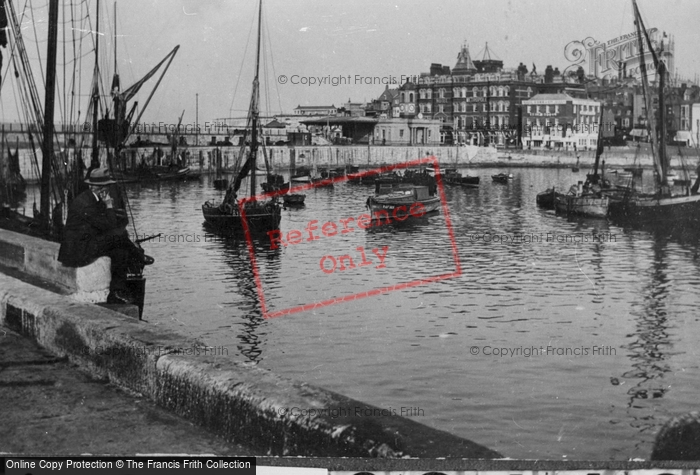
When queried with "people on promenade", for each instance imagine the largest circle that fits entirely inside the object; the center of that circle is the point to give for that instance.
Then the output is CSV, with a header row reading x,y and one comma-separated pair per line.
x,y
95,228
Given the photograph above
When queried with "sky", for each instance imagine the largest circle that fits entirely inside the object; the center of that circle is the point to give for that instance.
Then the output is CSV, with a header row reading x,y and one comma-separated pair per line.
x,y
343,38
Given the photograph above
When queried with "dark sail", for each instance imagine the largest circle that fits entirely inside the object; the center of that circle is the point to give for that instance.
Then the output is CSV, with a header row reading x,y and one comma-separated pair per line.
x,y
245,169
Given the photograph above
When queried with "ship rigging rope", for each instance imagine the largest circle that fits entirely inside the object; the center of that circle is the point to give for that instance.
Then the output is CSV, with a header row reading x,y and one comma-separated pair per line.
x,y
240,72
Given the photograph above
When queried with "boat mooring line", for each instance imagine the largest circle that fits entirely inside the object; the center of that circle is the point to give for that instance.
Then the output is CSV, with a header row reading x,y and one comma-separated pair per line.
x,y
579,268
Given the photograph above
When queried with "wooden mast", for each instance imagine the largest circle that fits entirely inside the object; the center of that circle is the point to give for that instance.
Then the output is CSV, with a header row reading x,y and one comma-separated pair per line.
x,y
651,123
254,109
47,147
95,158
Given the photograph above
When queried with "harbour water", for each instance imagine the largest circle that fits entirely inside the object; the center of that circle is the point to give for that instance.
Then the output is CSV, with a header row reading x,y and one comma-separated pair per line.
x,y
559,340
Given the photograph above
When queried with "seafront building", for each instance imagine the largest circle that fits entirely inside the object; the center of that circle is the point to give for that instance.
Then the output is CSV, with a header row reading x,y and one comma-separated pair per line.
x,y
559,121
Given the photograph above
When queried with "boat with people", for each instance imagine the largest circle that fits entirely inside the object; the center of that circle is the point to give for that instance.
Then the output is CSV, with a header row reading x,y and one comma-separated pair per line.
x,y
248,214
668,204
401,198
592,197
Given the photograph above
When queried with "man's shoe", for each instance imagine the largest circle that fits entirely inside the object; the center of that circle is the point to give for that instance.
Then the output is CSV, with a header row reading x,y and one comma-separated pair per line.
x,y
120,296
147,260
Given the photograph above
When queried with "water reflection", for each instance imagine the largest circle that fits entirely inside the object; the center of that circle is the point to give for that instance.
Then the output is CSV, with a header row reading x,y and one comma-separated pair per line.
x,y
249,314
514,292
649,351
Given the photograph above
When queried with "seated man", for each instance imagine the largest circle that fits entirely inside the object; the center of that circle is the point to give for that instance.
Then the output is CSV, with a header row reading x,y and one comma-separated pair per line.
x,y
94,229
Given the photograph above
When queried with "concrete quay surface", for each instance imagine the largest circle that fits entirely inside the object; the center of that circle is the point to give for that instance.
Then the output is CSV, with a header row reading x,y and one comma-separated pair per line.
x,y
50,407
242,404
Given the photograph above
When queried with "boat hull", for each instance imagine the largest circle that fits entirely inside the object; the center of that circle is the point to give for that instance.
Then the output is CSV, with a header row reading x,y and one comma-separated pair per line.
x,y
592,206
261,217
465,181
391,204
293,199
501,178
546,199
650,210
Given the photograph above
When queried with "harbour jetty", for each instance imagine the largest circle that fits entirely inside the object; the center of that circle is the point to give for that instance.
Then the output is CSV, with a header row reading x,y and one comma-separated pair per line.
x,y
204,158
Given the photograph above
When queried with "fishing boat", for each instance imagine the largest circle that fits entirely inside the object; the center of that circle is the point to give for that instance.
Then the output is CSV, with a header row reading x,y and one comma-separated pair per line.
x,y
233,215
399,198
668,206
592,197
453,177
502,177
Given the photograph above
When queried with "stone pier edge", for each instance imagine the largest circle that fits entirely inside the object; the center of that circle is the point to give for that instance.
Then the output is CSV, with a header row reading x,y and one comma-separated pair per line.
x,y
242,403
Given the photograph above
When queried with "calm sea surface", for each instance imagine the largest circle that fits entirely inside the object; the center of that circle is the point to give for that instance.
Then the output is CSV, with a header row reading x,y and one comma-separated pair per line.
x,y
560,339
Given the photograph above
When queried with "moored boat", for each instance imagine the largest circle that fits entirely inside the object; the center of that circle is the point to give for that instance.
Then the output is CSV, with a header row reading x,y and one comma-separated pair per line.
x,y
453,177
251,214
502,177
293,199
546,199
667,205
400,198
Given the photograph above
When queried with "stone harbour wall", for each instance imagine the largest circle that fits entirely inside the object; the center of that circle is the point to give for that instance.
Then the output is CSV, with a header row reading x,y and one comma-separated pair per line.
x,y
242,403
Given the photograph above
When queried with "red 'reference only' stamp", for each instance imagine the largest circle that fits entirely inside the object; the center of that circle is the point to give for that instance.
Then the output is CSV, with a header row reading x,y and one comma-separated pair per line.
x,y
360,257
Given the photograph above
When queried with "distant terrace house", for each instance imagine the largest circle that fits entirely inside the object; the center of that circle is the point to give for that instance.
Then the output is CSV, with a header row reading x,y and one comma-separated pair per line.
x,y
560,121
315,110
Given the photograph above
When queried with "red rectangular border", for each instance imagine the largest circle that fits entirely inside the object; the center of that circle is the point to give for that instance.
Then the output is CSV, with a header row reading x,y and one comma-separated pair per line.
x,y
359,295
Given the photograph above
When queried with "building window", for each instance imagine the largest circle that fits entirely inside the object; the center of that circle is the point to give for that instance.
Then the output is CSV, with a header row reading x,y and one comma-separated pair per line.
x,y
401,133
529,109
506,91
428,108
473,107
410,97
484,108
475,91
422,93
441,93
429,93
441,108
